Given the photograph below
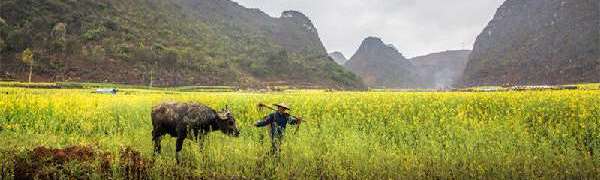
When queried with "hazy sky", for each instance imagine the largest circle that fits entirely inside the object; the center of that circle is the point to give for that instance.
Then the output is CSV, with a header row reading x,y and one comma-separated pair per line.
x,y
415,27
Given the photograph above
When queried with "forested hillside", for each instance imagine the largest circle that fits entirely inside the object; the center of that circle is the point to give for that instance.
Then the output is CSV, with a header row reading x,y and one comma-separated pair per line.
x,y
168,42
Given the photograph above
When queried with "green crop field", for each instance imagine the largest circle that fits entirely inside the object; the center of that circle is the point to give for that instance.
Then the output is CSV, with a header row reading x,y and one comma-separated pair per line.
x,y
345,135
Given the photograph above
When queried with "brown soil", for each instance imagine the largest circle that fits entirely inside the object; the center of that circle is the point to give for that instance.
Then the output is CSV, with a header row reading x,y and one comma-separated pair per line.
x,y
133,165
78,162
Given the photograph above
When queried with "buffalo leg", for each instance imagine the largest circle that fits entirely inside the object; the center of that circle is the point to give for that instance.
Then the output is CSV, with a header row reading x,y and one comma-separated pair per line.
x,y
178,148
156,136
181,135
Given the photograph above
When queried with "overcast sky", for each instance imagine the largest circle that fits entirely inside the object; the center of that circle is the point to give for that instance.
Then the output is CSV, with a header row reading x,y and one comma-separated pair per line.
x,y
415,27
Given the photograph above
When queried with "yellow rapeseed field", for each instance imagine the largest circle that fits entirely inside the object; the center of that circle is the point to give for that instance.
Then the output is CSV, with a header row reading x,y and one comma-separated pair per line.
x,y
357,135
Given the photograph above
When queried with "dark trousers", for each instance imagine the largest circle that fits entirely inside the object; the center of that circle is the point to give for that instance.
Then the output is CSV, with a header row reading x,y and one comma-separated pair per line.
x,y
276,145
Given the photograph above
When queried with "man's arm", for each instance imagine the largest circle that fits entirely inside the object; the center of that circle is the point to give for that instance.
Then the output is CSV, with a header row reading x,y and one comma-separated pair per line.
x,y
265,121
294,120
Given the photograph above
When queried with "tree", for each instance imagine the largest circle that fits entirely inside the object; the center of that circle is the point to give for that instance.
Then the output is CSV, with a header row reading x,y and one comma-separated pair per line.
x,y
97,54
59,39
2,43
152,73
58,42
2,46
59,32
27,58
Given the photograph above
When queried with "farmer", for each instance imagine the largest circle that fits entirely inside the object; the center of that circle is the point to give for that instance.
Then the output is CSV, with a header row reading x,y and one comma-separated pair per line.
x,y
277,122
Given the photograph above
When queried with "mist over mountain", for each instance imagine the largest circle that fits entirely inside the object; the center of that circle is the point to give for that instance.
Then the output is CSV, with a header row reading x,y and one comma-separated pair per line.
x,y
169,42
441,70
338,57
382,65
538,42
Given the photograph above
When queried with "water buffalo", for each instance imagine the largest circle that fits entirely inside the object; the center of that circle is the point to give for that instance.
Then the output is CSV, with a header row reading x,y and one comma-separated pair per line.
x,y
189,120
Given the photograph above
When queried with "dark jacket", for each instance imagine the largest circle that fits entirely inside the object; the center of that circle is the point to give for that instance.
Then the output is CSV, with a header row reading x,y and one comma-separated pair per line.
x,y
278,122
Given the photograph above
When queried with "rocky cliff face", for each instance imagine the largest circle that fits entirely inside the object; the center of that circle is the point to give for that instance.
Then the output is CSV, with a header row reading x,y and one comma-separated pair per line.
x,y
538,42
297,33
441,70
338,57
381,65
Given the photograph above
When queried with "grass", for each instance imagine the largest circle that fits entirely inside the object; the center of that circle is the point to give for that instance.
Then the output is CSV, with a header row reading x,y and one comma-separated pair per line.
x,y
357,135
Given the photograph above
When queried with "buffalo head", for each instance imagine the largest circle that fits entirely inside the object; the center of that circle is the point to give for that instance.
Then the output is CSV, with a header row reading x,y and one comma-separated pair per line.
x,y
226,123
